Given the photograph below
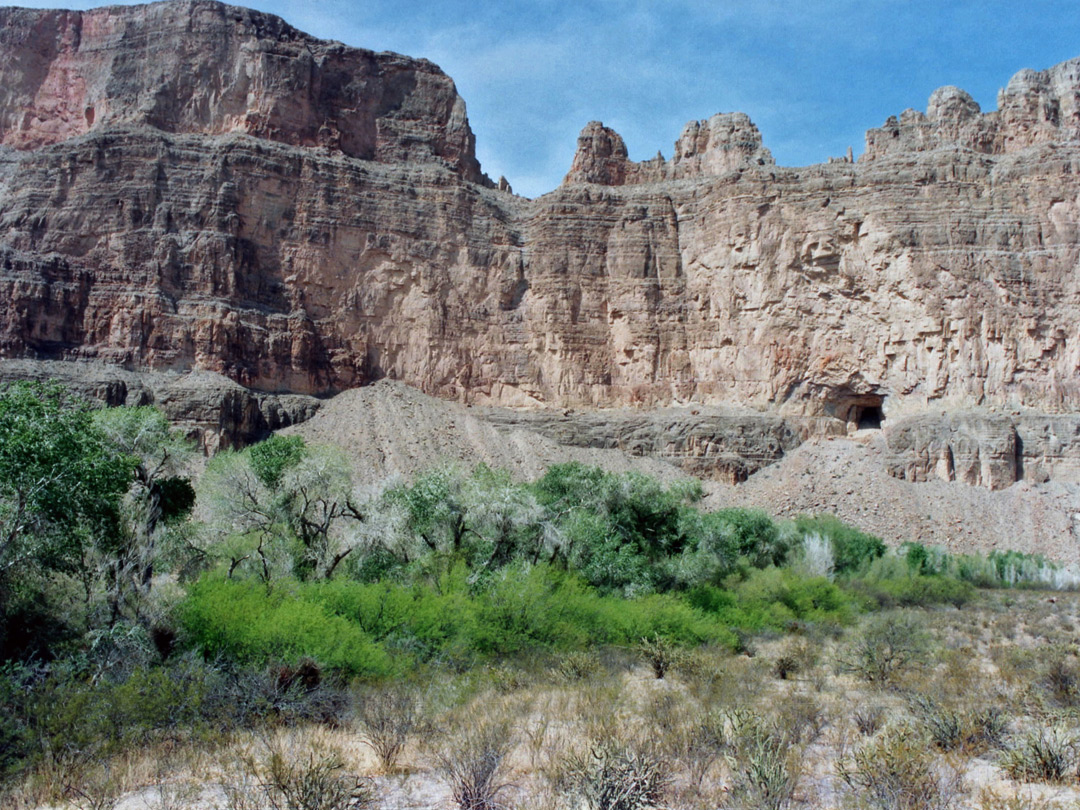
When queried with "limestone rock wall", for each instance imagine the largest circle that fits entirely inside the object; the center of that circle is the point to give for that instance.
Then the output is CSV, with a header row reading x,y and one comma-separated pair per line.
x,y
723,445
993,450
317,220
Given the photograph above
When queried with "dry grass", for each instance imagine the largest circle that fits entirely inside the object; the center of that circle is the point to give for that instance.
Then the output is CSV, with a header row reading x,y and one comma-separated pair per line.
x,y
985,717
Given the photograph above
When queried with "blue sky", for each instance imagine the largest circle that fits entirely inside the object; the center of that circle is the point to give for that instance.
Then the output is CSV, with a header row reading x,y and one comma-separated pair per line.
x,y
814,76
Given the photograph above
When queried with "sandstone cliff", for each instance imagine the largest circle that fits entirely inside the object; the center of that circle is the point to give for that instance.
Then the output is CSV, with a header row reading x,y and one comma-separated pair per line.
x,y
199,67
190,186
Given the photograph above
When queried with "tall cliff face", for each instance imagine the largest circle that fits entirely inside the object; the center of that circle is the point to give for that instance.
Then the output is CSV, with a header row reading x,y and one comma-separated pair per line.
x,y
191,186
199,67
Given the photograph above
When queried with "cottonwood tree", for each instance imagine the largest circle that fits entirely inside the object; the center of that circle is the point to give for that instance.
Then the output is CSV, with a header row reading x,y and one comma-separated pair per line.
x,y
482,517
282,507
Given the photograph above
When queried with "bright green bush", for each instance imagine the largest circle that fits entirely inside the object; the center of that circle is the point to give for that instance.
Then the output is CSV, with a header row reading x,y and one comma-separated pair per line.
x,y
246,622
364,628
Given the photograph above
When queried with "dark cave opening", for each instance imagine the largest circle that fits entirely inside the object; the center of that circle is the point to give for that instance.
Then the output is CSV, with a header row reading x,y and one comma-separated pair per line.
x,y
858,411
868,417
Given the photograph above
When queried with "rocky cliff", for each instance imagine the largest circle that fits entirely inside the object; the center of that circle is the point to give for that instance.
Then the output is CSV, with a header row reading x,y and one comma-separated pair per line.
x,y
188,186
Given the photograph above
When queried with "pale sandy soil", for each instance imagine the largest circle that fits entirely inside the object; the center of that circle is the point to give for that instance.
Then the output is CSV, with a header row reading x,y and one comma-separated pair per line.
x,y
389,428
847,478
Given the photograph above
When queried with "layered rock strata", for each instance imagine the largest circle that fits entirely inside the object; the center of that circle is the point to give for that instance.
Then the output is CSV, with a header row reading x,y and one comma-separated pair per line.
x,y
188,186
986,449
722,445
208,408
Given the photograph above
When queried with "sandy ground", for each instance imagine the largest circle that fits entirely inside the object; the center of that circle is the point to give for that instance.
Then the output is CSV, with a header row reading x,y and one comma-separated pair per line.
x,y
848,478
389,428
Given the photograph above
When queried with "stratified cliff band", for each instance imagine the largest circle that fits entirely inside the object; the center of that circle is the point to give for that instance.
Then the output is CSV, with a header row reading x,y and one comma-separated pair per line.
x,y
189,185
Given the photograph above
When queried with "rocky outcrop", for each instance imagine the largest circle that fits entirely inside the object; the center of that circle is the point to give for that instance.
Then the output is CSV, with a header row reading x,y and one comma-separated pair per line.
x,y
722,445
210,409
973,448
994,450
200,67
316,220
1034,108
724,144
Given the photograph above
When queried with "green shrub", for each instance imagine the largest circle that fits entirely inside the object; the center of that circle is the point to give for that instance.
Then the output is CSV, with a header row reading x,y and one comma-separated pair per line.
x,y
852,549
916,591
361,628
243,621
886,646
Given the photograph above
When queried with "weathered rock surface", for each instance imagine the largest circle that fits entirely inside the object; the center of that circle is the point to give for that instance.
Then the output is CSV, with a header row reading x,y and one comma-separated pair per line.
x,y
192,228
190,187
725,143
211,409
725,445
987,449
192,66
1034,108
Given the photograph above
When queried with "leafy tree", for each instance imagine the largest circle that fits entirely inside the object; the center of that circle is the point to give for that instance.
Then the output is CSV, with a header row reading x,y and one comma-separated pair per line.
x,y
283,506
619,531
270,459
61,485
159,495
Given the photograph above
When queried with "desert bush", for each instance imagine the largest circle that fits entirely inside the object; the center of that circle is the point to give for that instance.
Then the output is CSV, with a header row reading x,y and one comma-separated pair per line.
x,y
765,761
506,678
306,777
388,718
171,791
92,785
800,718
886,646
578,665
317,784
698,742
998,799
954,727
1061,676
1041,755
616,775
471,757
600,706
868,719
660,654
797,655
899,771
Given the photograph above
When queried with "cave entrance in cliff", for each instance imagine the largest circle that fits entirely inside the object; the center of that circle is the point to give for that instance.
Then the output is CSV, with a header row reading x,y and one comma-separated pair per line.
x,y
864,412
858,411
868,417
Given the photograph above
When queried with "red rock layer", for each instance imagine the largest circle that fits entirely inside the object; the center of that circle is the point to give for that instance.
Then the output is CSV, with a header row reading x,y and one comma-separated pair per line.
x,y
189,185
